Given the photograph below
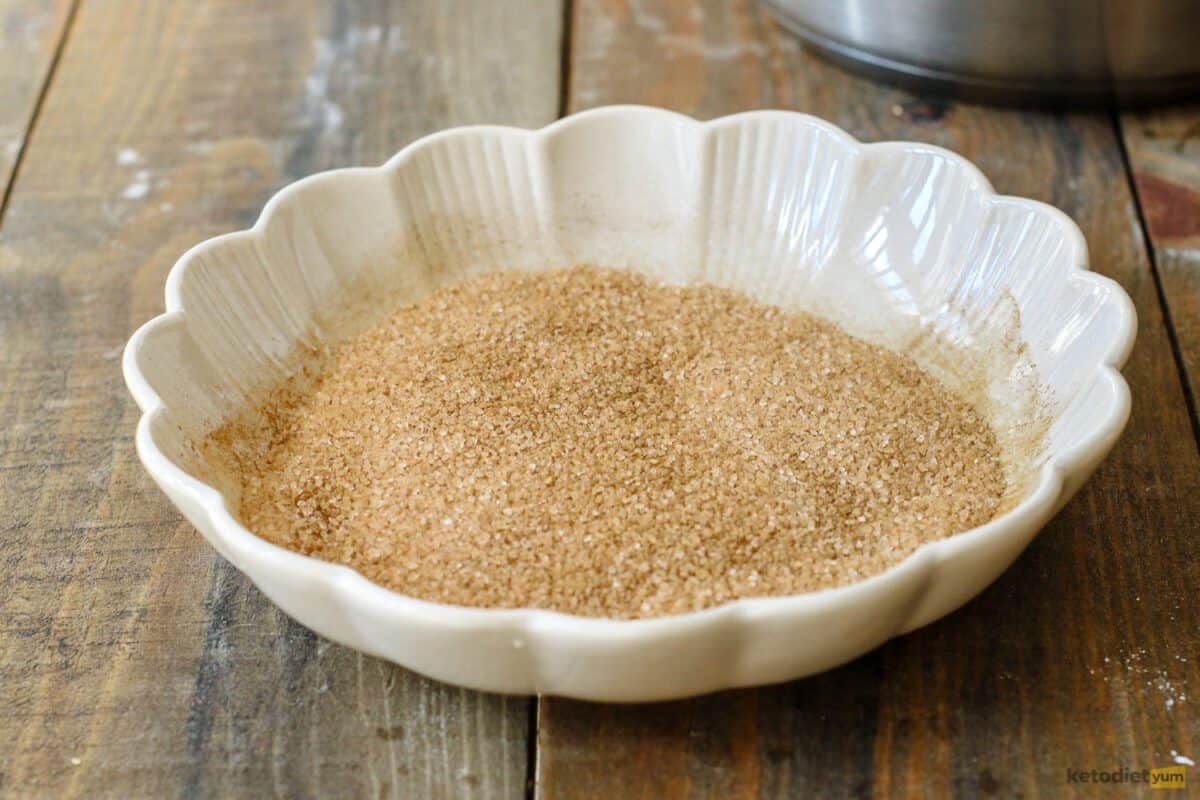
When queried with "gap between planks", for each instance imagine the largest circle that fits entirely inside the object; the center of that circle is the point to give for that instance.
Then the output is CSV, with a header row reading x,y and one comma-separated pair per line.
x,y
36,112
532,749
1156,272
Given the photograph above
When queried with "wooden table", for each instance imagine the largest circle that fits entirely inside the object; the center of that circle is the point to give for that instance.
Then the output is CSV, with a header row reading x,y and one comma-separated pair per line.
x,y
134,662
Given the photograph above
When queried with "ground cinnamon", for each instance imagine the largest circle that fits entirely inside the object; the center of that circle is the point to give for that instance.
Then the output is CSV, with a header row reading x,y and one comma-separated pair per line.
x,y
590,441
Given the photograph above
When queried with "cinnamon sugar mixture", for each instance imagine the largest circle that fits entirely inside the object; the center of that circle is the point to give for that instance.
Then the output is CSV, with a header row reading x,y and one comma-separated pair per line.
x,y
590,441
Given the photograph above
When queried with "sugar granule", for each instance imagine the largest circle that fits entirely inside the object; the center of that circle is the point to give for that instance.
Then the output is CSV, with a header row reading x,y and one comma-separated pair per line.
x,y
590,441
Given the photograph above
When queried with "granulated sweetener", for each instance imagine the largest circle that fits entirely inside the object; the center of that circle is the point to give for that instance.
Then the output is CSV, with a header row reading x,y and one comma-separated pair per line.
x,y
590,441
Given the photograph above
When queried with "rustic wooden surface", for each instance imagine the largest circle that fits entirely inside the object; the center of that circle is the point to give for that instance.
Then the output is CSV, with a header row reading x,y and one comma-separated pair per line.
x,y
1164,155
31,32
134,662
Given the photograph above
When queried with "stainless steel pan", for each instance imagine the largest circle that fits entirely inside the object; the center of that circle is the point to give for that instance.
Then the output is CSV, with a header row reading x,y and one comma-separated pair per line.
x,y
1090,50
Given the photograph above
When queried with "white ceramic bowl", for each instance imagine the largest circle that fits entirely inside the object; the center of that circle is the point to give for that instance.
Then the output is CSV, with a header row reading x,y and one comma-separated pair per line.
x,y
889,240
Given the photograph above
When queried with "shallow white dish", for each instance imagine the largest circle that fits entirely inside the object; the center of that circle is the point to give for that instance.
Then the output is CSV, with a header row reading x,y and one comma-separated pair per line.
x,y
887,239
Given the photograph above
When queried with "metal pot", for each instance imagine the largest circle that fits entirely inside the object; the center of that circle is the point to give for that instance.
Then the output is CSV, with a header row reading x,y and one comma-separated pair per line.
x,y
1013,50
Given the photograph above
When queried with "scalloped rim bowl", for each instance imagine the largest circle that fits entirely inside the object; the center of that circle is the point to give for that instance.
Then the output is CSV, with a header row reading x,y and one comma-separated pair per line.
x,y
886,239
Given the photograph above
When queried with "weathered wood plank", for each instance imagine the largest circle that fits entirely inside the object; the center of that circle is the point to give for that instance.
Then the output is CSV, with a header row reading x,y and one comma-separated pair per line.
x,y
30,34
135,663
1164,155
1083,654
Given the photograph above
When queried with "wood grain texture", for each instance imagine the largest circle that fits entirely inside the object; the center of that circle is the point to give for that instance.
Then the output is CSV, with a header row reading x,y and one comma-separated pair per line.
x,y
1164,154
1083,655
30,34
133,661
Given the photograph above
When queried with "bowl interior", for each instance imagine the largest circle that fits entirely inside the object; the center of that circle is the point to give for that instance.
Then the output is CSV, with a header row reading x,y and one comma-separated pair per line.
x,y
902,245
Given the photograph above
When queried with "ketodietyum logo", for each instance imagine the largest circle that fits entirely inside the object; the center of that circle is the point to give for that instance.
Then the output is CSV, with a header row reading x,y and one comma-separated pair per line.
x,y
1161,778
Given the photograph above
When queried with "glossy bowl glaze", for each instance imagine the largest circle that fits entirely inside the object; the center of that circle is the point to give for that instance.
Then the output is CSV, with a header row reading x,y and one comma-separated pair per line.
x,y
893,241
